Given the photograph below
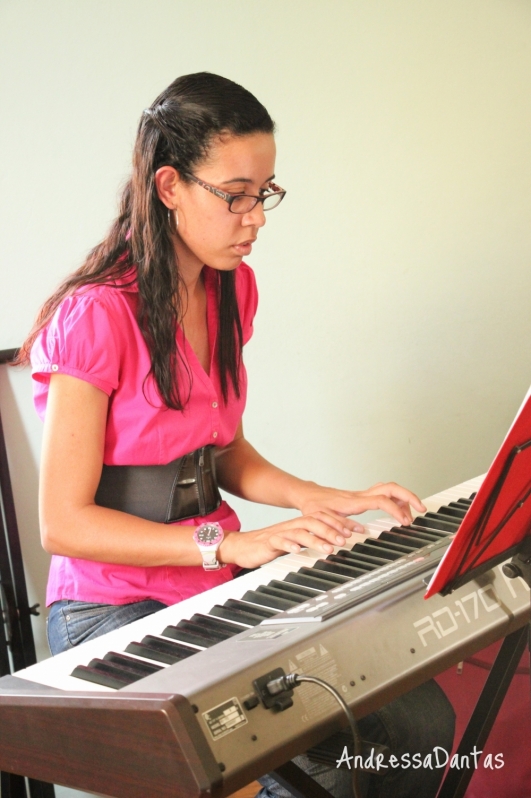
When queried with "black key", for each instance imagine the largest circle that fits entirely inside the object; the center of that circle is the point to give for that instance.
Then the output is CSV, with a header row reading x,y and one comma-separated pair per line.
x,y
273,602
445,518
431,521
398,539
452,512
195,633
319,585
439,534
376,558
100,677
160,650
303,592
349,562
99,671
465,502
340,570
237,604
197,627
392,541
204,628
456,505
230,629
136,665
239,616
356,560
335,579
416,534
382,548
196,638
283,593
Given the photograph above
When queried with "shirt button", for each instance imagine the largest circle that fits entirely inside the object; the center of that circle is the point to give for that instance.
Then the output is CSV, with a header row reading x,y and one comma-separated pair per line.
x,y
55,367
214,404
214,434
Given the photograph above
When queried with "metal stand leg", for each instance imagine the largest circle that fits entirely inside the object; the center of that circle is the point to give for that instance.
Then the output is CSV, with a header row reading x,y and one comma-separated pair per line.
x,y
299,784
482,719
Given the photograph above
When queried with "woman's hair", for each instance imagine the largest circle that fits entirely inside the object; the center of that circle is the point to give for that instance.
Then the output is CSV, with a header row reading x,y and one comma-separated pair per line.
x,y
176,130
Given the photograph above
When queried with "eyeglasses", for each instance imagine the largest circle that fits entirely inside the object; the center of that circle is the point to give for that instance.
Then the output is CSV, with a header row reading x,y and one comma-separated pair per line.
x,y
243,203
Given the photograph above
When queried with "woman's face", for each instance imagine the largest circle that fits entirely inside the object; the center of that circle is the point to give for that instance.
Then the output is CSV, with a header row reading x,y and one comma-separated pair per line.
x,y
207,232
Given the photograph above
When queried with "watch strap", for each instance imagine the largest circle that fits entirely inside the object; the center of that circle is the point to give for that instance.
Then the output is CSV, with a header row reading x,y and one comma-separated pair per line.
x,y
210,559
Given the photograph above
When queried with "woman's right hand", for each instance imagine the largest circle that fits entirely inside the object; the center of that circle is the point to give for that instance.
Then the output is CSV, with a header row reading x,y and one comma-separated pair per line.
x,y
319,531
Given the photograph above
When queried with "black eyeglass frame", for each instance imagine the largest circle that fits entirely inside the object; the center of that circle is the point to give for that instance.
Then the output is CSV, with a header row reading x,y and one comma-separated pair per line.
x,y
230,198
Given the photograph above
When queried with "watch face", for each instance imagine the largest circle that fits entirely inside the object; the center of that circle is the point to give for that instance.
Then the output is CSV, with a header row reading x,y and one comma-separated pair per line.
x,y
208,534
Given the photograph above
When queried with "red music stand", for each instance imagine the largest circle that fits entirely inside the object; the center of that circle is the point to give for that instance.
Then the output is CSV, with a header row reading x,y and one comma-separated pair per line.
x,y
496,527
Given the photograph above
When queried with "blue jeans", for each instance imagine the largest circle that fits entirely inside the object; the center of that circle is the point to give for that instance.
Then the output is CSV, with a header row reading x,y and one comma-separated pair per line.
x,y
73,622
415,723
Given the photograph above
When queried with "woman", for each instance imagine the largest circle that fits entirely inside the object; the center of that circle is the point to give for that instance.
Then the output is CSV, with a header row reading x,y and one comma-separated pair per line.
x,y
137,362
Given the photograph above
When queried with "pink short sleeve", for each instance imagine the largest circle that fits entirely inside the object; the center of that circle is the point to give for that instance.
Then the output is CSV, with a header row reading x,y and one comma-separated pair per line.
x,y
81,340
247,295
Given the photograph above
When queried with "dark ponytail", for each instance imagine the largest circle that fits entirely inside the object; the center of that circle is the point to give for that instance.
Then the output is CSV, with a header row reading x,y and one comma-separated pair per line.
x,y
176,130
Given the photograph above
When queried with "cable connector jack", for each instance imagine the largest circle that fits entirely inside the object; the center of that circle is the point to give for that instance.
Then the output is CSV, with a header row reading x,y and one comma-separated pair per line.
x,y
274,691
283,683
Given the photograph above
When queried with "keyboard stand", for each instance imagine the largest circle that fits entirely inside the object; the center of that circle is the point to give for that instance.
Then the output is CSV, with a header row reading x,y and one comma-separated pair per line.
x,y
485,712
298,783
17,646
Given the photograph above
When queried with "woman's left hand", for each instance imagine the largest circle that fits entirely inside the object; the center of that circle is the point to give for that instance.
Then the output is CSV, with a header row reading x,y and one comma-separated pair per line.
x,y
386,496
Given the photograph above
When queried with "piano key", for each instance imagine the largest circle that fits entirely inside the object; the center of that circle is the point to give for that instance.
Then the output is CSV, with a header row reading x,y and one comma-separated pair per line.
x,y
336,568
298,590
417,534
453,512
435,523
217,623
342,558
263,611
194,636
318,584
334,579
398,539
138,666
422,532
283,593
100,678
114,668
155,648
459,505
231,614
272,602
113,674
357,560
385,548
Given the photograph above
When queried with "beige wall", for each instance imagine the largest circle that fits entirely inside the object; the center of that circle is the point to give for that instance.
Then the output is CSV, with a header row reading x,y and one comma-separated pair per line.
x,y
393,339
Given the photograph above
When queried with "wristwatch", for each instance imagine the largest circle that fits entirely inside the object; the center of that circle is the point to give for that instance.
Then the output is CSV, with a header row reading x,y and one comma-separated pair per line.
x,y
208,537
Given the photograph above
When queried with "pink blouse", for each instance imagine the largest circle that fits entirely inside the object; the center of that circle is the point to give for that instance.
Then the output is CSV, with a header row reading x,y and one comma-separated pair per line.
x,y
94,336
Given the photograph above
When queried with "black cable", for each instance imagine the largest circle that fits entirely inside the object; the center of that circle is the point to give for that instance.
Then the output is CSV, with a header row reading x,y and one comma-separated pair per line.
x,y
291,680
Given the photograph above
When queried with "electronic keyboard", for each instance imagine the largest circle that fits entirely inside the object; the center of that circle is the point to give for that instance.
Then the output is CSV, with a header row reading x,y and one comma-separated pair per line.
x,y
170,699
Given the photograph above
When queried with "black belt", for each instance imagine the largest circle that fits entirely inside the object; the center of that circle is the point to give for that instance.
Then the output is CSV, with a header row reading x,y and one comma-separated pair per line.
x,y
185,488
